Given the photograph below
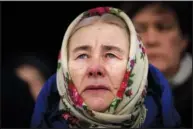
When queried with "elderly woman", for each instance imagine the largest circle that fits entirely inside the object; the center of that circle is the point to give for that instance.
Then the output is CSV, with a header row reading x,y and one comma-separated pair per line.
x,y
104,79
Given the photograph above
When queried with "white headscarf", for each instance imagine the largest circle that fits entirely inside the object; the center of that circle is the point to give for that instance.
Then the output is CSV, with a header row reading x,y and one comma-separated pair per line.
x,y
127,109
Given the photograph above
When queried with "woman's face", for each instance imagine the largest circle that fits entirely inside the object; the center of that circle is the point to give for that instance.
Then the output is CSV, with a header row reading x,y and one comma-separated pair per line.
x,y
98,56
161,35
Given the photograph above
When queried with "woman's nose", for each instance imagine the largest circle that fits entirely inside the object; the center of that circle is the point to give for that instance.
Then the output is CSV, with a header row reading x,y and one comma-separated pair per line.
x,y
151,38
96,69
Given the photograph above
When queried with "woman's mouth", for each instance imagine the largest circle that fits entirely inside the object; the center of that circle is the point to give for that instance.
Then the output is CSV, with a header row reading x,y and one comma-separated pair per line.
x,y
96,89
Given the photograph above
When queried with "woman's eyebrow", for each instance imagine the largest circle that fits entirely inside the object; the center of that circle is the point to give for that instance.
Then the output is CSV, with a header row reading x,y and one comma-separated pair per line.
x,y
104,48
111,47
83,47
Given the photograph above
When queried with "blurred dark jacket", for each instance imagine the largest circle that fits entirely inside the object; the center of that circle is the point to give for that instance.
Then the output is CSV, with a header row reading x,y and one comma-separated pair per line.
x,y
16,102
181,85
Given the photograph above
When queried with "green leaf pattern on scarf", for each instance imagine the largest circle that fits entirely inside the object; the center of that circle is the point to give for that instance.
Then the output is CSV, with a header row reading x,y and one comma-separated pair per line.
x,y
135,59
115,103
130,81
115,11
67,78
84,107
59,65
142,51
132,74
87,110
142,56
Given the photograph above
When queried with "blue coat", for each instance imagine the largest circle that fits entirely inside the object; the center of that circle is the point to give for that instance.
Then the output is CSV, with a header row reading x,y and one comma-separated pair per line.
x,y
159,102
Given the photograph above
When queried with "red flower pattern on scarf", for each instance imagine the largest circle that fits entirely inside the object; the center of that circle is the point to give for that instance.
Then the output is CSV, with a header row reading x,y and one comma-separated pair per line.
x,y
144,92
59,55
71,119
123,85
99,10
66,116
142,48
129,92
76,98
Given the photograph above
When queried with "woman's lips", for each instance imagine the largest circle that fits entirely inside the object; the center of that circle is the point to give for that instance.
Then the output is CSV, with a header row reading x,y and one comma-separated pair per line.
x,y
96,89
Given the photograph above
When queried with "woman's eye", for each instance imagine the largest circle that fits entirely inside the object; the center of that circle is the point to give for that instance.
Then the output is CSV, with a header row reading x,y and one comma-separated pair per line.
x,y
164,27
110,55
82,56
141,28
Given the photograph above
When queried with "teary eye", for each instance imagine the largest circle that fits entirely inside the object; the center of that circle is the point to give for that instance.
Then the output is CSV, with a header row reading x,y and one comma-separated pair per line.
x,y
82,56
110,55
163,27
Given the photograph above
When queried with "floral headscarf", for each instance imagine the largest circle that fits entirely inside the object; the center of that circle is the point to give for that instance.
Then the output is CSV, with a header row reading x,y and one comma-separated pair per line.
x,y
127,109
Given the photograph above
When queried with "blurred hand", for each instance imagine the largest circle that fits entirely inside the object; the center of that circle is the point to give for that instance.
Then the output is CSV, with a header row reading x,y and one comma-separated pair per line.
x,y
32,76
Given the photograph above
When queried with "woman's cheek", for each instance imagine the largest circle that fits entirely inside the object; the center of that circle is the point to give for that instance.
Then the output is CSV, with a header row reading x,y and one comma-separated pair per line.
x,y
116,71
77,70
112,64
77,65
115,64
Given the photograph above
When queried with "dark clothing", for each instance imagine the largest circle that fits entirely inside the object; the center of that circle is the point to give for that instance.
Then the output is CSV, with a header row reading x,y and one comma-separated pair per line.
x,y
161,112
16,102
183,102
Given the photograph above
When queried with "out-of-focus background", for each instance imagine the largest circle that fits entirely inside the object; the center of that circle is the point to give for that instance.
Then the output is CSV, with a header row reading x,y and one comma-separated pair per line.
x,y
32,33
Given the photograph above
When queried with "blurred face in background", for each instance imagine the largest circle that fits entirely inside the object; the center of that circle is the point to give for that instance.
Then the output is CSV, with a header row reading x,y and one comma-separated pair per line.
x,y
160,32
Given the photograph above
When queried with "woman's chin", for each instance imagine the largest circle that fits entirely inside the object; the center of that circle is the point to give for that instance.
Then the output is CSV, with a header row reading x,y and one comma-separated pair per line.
x,y
98,103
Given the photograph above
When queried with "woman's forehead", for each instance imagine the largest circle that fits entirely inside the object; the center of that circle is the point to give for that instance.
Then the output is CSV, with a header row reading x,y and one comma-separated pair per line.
x,y
158,10
101,32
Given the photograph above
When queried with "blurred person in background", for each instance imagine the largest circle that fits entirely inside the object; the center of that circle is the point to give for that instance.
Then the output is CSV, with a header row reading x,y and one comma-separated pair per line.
x,y
34,72
163,28
23,78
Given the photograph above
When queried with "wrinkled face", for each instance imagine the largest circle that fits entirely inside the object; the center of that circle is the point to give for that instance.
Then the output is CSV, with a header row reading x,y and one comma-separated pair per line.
x,y
160,33
98,56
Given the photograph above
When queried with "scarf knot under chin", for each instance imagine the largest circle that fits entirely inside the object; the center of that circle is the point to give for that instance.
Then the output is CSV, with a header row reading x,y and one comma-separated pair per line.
x,y
127,109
